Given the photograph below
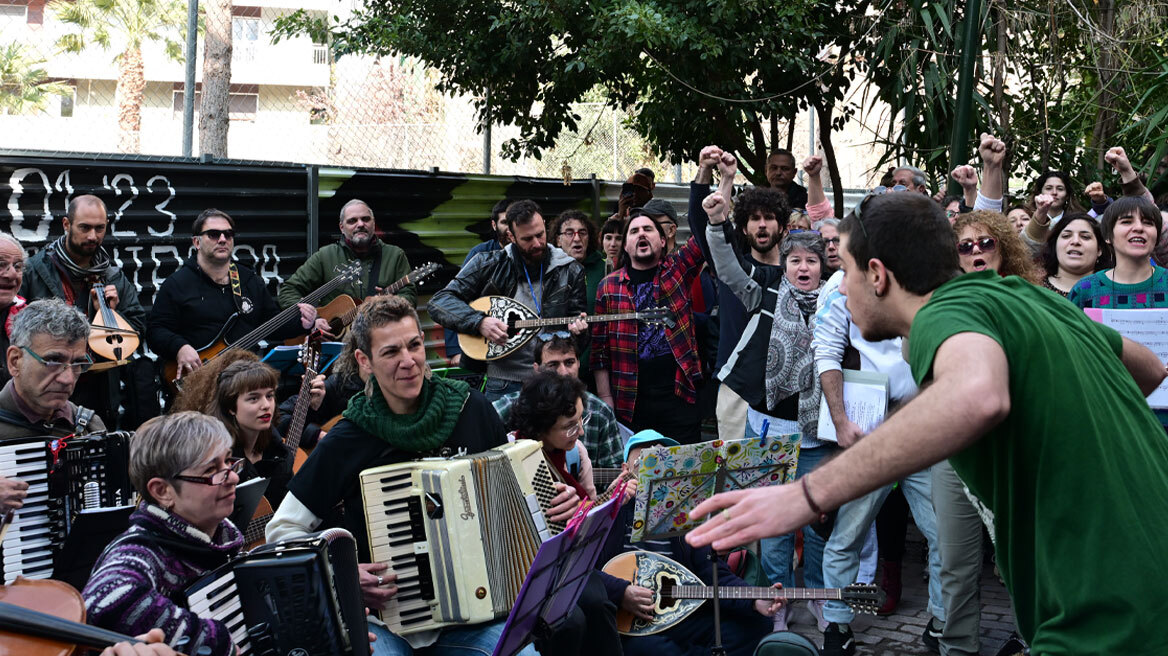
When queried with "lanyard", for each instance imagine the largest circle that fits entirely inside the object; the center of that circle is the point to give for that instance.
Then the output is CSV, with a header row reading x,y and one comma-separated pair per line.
x,y
534,298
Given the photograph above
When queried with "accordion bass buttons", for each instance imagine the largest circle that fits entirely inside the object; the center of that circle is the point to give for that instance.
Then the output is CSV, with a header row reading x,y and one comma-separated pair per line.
x,y
481,592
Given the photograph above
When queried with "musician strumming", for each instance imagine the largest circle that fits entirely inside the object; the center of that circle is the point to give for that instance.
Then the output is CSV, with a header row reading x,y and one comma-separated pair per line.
x,y
381,263
67,269
11,274
196,302
540,276
181,464
402,415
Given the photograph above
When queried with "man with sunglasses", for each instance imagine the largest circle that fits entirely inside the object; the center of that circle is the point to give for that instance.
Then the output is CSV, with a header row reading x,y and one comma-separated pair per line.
x,y
1063,487
556,353
198,300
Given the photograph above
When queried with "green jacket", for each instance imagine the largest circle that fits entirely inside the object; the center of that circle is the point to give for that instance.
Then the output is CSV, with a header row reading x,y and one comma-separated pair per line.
x,y
321,267
594,272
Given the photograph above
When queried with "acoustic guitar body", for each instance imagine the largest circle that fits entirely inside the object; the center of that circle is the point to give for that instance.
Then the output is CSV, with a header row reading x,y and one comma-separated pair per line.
x,y
507,310
170,369
332,312
655,572
263,513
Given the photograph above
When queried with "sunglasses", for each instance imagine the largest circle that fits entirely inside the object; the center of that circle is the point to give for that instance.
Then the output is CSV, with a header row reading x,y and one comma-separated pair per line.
x,y
986,244
547,337
214,234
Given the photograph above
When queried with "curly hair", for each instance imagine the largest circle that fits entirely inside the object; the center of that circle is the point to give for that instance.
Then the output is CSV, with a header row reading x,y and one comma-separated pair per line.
x,y
1050,261
591,244
761,200
545,398
1016,260
198,387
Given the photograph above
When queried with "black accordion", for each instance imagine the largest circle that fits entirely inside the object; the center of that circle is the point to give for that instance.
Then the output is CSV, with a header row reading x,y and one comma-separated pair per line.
x,y
300,596
68,478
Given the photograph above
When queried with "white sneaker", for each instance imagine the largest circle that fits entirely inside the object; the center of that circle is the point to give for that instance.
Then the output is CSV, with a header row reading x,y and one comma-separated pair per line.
x,y
816,608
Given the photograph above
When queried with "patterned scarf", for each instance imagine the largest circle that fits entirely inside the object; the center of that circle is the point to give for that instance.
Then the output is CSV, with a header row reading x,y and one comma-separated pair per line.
x,y
790,365
426,429
101,261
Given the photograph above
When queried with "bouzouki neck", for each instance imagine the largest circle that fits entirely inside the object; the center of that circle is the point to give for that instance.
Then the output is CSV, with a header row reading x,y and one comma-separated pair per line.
x,y
592,318
753,592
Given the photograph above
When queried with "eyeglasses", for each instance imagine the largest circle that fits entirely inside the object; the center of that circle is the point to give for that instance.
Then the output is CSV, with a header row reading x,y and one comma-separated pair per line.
x,y
214,234
547,337
17,265
218,478
55,365
578,427
986,244
832,240
571,234
949,214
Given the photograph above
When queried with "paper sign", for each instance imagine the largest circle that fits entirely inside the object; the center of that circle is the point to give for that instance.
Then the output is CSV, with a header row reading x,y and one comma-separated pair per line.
x,y
1147,327
865,400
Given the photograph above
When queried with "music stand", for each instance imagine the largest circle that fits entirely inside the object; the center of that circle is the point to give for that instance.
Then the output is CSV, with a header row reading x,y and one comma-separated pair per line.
x,y
672,480
557,577
92,531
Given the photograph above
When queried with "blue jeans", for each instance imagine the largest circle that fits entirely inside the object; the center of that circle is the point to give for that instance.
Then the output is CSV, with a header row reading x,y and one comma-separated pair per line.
x,y
841,556
472,640
776,552
497,388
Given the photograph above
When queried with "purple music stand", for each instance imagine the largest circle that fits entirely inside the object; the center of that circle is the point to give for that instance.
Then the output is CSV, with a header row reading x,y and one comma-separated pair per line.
x,y
557,577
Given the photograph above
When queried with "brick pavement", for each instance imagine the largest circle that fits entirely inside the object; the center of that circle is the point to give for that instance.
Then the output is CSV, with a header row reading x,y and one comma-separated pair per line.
x,y
900,633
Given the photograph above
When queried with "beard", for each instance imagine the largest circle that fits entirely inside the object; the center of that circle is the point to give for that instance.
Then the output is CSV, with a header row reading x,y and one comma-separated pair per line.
x,y
83,248
360,240
752,240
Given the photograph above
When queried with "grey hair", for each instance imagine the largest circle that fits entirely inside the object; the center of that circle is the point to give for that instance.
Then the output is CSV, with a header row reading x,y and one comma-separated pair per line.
x,y
164,446
52,317
4,236
355,201
808,241
919,178
831,221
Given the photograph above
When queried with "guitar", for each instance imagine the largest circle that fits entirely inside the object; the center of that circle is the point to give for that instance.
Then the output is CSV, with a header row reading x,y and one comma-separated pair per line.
x,y
340,311
679,592
219,345
253,533
523,324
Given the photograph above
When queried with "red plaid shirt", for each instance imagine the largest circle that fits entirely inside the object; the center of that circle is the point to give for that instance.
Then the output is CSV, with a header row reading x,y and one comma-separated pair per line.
x,y
614,344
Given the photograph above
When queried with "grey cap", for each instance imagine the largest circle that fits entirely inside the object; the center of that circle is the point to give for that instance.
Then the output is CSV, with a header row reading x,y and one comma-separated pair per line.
x,y
659,206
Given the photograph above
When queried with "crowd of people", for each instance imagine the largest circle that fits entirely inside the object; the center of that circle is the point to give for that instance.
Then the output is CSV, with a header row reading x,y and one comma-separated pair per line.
x,y
1012,418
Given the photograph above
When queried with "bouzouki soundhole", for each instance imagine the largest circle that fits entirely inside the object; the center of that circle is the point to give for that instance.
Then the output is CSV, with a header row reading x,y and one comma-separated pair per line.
x,y
665,585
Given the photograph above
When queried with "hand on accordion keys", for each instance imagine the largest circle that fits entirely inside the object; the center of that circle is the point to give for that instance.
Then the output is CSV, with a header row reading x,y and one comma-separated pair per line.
x,y
12,494
377,584
564,504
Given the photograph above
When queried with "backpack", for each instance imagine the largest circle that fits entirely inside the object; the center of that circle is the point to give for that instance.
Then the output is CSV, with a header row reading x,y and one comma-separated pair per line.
x,y
785,643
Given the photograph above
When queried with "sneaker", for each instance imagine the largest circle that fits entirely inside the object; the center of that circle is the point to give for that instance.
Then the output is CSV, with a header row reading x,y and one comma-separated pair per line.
x,y
838,640
932,635
781,618
816,608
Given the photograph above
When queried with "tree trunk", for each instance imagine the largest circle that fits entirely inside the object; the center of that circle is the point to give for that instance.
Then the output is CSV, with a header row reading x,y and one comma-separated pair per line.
x,y
128,98
214,106
823,122
1109,85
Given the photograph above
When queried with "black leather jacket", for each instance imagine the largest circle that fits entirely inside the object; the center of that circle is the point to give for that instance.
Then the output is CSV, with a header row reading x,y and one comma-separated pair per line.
x,y
496,273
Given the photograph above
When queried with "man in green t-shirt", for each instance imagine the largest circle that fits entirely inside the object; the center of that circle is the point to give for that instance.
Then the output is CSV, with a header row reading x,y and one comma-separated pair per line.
x,y
1077,480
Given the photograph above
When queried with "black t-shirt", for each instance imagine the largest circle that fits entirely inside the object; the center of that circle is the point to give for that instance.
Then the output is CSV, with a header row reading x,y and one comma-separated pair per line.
x,y
274,465
331,475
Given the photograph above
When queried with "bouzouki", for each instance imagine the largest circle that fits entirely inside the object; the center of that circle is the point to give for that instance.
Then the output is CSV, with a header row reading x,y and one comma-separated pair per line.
x,y
678,592
523,324
219,345
110,335
340,311
253,533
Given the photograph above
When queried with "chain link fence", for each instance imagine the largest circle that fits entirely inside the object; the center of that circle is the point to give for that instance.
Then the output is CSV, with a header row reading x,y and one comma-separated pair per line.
x,y
62,91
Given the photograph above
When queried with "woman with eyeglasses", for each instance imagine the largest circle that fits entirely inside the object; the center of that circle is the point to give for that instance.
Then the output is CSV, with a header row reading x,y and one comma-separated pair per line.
x,y
550,410
182,466
985,240
1073,250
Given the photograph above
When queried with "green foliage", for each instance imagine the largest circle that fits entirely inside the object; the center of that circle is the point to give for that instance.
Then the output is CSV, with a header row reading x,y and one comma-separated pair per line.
x,y
24,85
130,22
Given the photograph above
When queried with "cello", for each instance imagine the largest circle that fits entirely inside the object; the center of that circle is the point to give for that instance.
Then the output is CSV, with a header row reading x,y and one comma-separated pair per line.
x,y
110,335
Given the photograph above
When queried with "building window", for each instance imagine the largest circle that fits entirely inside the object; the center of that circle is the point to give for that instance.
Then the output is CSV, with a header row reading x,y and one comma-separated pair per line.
x,y
240,106
13,14
245,33
67,103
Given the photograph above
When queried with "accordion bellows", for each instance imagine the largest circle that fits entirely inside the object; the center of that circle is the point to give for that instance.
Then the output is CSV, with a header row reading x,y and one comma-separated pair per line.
x,y
460,533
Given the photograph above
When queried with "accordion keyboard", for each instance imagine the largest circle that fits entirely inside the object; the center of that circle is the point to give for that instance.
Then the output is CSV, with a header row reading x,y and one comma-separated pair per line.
x,y
396,527
28,545
220,599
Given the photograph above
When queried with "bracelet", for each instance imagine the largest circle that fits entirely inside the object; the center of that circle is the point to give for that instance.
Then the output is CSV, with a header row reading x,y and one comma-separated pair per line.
x,y
811,502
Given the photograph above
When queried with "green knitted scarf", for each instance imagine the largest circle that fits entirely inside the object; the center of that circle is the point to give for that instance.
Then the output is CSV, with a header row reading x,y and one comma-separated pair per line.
x,y
424,430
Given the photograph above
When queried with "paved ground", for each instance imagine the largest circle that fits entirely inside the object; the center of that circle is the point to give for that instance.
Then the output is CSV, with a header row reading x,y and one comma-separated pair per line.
x,y
900,633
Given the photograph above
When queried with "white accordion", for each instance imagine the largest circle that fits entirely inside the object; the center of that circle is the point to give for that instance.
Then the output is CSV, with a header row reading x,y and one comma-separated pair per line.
x,y
460,533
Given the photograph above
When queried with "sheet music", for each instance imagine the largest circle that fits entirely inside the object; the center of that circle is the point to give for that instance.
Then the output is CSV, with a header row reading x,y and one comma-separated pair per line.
x,y
865,400
1148,327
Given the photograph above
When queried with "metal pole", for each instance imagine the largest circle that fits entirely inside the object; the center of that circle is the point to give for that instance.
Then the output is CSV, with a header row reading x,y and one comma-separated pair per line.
x,y
189,84
487,133
677,173
970,50
810,138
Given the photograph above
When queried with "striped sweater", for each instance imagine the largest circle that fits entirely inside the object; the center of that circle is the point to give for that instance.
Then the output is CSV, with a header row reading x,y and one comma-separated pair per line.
x,y
138,582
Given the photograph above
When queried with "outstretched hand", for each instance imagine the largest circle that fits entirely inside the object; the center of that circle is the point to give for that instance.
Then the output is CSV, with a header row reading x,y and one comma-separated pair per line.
x,y
753,514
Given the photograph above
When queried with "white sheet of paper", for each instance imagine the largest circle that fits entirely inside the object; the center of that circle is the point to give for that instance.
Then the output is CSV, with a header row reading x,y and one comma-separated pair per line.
x,y
1148,327
865,399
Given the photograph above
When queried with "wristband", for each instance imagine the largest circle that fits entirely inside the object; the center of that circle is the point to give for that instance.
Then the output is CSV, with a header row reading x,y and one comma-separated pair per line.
x,y
811,502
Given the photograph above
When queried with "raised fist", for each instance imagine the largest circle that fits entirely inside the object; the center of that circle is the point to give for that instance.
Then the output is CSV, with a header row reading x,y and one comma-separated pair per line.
x,y
1117,158
813,165
709,157
992,150
965,175
715,207
1042,202
1095,192
728,166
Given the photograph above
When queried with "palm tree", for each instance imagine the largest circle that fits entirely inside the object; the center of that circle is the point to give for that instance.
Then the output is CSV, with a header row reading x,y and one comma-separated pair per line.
x,y
128,24
24,85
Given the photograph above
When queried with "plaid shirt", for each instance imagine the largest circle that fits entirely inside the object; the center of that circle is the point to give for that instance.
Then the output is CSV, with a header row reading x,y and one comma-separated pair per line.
x,y
601,436
614,344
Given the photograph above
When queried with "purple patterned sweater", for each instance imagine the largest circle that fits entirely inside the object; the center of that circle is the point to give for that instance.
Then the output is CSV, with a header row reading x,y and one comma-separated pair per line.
x,y
138,582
